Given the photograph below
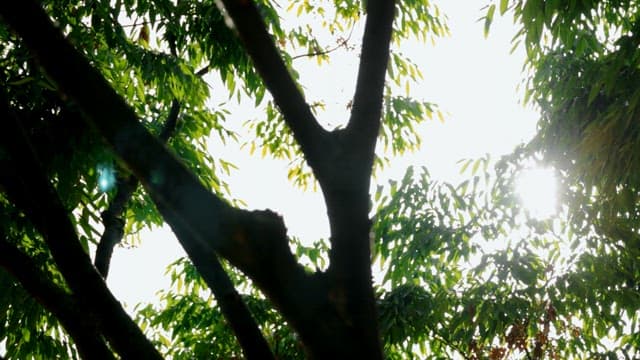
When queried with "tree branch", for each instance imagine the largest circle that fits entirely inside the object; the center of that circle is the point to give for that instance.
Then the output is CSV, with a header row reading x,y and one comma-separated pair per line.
x,y
78,322
113,224
168,180
169,127
346,188
31,191
231,305
364,123
112,217
255,242
233,308
180,197
273,71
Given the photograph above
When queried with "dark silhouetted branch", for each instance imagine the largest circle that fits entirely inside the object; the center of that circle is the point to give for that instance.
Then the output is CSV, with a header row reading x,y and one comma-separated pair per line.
x,y
112,217
77,321
113,224
231,304
233,308
184,202
169,127
33,193
267,60
210,223
365,120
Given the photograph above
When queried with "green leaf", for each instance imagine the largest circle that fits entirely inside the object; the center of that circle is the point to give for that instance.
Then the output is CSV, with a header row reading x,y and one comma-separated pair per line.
x,y
488,19
593,92
504,6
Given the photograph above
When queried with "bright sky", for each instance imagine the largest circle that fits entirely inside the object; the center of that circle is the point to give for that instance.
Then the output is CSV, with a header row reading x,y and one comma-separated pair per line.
x,y
471,78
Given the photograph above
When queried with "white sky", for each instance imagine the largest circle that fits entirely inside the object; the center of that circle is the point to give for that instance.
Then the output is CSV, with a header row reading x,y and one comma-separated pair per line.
x,y
471,78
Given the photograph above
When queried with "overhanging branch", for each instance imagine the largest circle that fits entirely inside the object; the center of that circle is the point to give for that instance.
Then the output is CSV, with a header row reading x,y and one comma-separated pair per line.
x,y
231,305
173,186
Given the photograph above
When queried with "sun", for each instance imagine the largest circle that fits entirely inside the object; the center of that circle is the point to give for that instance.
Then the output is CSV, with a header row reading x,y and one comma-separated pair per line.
x,y
537,189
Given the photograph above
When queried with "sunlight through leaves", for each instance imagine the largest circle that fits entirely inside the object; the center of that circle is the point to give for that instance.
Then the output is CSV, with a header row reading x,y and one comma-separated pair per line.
x,y
537,190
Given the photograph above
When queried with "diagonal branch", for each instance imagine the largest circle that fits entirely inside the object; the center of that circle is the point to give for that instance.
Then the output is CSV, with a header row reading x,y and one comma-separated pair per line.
x,y
32,192
78,323
169,127
231,304
184,202
172,184
267,60
233,308
255,242
112,217
364,123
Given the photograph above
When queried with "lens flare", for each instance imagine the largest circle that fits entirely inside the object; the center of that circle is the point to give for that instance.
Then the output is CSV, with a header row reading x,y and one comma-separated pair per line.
x,y
106,177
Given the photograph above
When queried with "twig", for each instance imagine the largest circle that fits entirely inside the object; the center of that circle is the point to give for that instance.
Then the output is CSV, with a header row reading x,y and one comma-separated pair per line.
x,y
341,43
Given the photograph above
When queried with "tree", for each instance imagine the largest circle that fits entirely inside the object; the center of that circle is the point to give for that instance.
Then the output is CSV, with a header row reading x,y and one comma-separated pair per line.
x,y
71,105
91,115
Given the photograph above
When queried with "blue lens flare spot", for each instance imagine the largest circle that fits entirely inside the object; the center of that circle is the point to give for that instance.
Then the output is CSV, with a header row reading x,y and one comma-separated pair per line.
x,y
106,177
